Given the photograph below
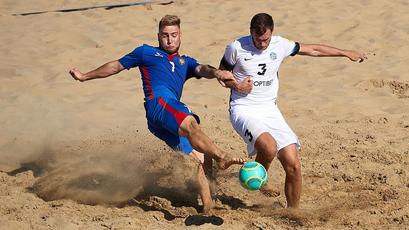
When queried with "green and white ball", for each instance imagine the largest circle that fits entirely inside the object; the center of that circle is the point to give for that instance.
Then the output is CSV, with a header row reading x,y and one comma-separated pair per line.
x,y
252,175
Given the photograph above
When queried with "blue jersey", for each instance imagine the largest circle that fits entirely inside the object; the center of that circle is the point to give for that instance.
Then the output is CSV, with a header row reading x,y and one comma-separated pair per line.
x,y
163,75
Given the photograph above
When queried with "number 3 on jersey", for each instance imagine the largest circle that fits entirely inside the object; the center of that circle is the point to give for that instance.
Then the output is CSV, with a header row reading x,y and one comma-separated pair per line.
x,y
263,69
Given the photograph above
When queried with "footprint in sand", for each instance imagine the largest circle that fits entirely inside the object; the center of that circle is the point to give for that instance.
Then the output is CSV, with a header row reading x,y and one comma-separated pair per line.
x,y
398,88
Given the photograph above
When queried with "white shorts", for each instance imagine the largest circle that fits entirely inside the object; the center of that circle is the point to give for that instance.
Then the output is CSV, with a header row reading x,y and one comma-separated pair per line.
x,y
250,123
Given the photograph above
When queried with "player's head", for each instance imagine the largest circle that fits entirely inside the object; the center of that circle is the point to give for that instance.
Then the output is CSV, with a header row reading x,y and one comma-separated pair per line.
x,y
261,30
169,33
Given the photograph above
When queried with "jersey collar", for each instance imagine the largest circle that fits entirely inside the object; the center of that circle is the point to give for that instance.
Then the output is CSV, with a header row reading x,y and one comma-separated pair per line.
x,y
255,49
170,56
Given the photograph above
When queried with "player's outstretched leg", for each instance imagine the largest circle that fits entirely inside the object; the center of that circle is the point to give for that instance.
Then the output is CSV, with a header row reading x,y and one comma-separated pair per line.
x,y
202,143
227,161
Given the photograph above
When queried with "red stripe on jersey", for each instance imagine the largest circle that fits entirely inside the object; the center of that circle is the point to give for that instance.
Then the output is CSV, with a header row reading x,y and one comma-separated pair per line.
x,y
179,116
147,80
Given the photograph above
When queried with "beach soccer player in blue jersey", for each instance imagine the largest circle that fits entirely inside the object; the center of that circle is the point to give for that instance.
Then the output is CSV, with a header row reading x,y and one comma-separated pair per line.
x,y
164,73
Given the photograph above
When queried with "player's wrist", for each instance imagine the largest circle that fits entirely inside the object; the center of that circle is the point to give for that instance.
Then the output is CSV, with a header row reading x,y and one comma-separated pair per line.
x,y
236,86
84,76
346,53
218,74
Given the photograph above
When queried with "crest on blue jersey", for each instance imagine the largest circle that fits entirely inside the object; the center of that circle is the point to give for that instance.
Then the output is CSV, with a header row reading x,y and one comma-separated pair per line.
x,y
182,61
273,56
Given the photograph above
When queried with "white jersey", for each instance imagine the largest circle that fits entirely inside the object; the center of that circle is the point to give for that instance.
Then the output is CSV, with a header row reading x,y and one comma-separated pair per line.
x,y
262,65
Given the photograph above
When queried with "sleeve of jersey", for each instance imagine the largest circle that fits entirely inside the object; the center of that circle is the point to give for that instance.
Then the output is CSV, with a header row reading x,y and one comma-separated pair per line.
x,y
191,68
229,58
291,47
132,59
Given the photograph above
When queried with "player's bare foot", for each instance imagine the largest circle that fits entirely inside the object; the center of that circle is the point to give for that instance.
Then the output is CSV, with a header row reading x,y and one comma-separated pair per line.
x,y
207,207
269,191
227,161
212,208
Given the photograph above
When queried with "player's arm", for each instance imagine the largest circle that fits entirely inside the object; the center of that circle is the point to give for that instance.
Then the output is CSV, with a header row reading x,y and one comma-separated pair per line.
x,y
209,72
316,50
242,87
103,71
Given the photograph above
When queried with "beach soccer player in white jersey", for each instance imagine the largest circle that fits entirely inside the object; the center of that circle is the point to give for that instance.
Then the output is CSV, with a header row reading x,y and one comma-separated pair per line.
x,y
254,61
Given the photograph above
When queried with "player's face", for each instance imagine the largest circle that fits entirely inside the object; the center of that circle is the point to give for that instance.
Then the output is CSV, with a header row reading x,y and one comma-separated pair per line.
x,y
169,39
262,41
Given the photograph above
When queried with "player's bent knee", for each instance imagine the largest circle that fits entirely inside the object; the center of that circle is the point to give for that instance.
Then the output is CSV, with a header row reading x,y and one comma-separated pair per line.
x,y
267,146
268,155
188,126
293,168
199,157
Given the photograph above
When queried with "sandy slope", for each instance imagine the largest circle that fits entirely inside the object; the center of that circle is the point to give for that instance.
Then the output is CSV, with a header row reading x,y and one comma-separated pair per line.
x,y
79,156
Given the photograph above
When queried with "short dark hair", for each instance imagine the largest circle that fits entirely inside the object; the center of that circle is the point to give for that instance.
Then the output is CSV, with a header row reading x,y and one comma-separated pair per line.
x,y
169,20
261,22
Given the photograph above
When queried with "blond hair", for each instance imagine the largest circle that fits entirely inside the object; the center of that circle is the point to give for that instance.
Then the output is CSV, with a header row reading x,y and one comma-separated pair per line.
x,y
169,20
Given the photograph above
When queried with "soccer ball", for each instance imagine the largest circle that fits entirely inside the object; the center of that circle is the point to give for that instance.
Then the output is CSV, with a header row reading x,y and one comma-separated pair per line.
x,y
252,175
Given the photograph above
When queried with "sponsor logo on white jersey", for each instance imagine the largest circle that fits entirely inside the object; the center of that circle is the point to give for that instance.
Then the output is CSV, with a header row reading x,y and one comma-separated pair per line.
x,y
262,83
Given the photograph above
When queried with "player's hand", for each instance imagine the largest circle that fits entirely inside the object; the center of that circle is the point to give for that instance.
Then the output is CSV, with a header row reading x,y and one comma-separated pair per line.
x,y
224,76
245,86
356,56
77,75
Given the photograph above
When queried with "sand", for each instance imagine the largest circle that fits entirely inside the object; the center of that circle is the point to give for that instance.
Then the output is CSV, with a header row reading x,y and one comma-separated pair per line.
x,y
79,155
